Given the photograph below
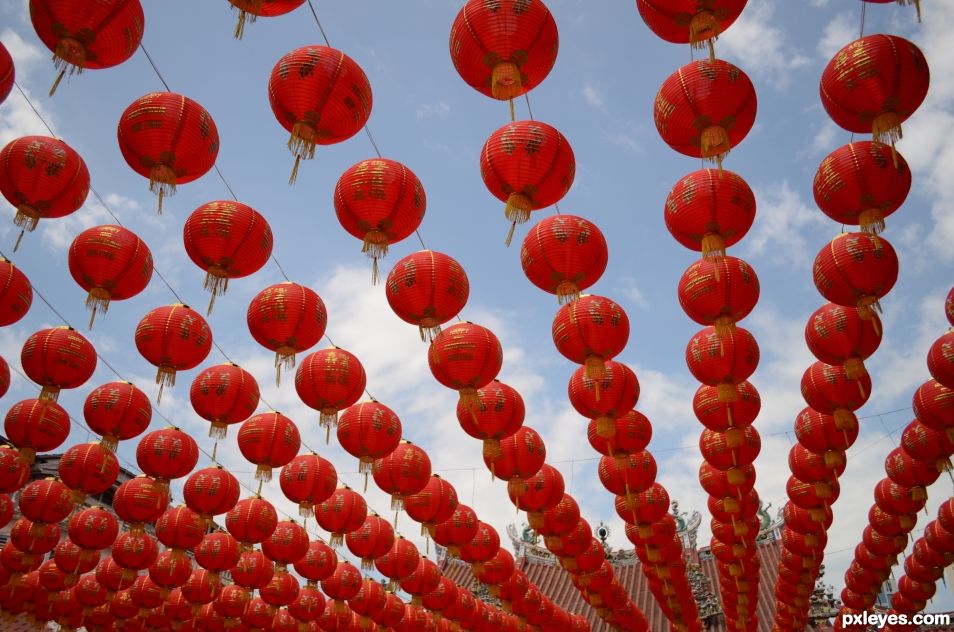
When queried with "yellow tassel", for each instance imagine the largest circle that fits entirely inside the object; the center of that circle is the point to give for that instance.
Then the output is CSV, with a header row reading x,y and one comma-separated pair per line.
x,y
724,325
375,246
886,128
284,359
162,180
26,218
567,292
713,246
218,430
714,143
834,459
293,178
735,476
216,282
845,419
854,368
871,221
727,392
594,367
56,83
301,143
823,490
165,376
606,427
734,437
263,473
491,448
505,81
336,540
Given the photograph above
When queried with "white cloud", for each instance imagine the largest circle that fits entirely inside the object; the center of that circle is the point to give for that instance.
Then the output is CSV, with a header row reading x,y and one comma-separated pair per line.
x,y
826,139
779,233
592,96
841,30
819,3
432,110
760,46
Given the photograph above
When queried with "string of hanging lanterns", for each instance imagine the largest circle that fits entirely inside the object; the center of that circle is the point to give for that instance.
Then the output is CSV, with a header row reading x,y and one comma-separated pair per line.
x,y
872,85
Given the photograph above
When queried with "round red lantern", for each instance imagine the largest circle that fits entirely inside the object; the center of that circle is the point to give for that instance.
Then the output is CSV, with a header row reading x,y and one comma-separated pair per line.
x,y
134,551
590,331
559,520
690,22
167,454
36,425
308,480
529,165
308,605
632,434
729,450
940,360
211,491
7,73
370,600
117,411
343,512
168,138
521,455
269,440
722,361
628,475
402,473
819,432
180,528
201,588
705,108
719,416
381,202
281,590
223,395
14,471
482,548
251,520
434,504
217,552
58,358
719,292
42,178
287,544
287,318
809,466
840,335
856,270
496,570
227,239
372,540
497,414
564,255
874,84
73,560
343,584
392,613
934,406
329,381
606,398
249,10
369,431
258,614
252,570
426,578
427,289
173,338
140,500
456,531
319,562
506,49
88,469
111,263
828,390
708,211
465,357
861,183
16,294
89,37
34,538
321,96
540,492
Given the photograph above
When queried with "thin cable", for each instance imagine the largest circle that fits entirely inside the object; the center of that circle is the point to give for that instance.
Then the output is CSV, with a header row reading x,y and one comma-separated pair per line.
x,y
318,22
861,31
526,96
153,64
33,107
225,182
367,130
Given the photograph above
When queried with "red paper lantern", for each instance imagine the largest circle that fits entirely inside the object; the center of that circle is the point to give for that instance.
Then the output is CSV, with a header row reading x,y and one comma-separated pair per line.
x,y
482,548
808,466
180,529
88,469
73,560
370,600
140,500
898,500
722,361
874,84
369,431
58,358
43,178
14,471
819,432
538,493
402,473
223,395
628,475
168,138
287,544
34,538
497,414
252,570
167,454
458,530
217,552
560,519
465,357
258,614
719,292
719,416
840,335
728,450
716,482
329,381
564,255
690,22
529,165
319,562
705,108
117,411
934,406
828,390
813,494
381,202
110,263
927,445
308,605
16,293
36,425
343,584
632,434
343,512
321,96
308,480
434,504
506,49
590,331
605,398
145,593
372,540
134,551
249,10
173,338
251,520
211,491
201,588
427,289
940,359
280,591
229,240
7,73
269,440
426,578
521,455
861,184
708,211
287,318
856,270
392,613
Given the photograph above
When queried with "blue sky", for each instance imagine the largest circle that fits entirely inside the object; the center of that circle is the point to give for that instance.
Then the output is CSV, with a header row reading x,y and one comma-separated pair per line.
x,y
599,96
